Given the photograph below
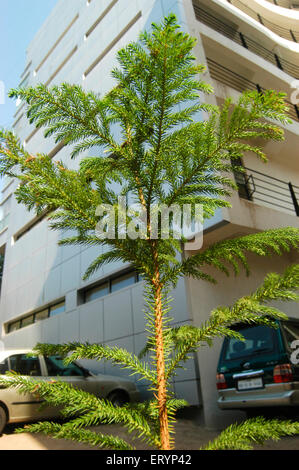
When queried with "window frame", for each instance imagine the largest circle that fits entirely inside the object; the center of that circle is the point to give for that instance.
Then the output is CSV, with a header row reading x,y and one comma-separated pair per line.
x,y
38,358
83,293
34,315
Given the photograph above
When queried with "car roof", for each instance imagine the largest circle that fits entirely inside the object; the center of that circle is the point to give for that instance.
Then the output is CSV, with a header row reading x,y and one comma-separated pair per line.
x,y
241,324
9,352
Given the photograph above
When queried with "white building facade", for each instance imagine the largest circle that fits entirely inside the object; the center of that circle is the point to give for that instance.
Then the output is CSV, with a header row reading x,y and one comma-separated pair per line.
x,y
43,296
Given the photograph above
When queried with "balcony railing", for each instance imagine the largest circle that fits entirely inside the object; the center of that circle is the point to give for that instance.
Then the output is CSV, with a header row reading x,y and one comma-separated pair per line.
x,y
285,33
243,40
239,83
285,3
268,191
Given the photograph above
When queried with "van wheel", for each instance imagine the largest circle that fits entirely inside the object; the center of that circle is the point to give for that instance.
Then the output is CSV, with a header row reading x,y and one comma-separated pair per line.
x,y
118,398
3,419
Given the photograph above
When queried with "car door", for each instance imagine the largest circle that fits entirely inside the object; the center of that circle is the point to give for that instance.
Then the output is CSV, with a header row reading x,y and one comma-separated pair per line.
x,y
25,406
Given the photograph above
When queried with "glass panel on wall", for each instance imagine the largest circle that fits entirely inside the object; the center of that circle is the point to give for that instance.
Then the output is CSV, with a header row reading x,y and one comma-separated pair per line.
x,y
97,292
42,315
14,326
123,281
56,309
27,321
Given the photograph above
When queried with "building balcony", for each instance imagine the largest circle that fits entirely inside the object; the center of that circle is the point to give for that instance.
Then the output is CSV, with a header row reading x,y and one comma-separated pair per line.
x,y
240,83
244,40
268,191
292,4
287,33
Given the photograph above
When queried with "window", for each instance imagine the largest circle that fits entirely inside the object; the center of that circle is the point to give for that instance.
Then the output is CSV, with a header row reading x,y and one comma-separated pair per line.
x,y
4,366
41,315
56,309
27,321
257,339
50,311
24,365
56,368
97,292
14,326
123,281
113,284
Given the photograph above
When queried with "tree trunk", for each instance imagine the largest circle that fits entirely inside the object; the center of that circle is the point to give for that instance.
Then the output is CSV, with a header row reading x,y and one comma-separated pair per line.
x,y
160,363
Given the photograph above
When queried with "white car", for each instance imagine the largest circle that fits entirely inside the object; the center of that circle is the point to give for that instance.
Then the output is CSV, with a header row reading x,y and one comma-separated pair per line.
x,y
16,407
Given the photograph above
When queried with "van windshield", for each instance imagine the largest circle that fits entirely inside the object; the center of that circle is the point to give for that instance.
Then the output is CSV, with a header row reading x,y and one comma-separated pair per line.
x,y
258,339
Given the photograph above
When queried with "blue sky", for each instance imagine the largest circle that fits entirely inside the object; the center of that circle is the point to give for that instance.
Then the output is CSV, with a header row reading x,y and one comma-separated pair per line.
x,y
19,22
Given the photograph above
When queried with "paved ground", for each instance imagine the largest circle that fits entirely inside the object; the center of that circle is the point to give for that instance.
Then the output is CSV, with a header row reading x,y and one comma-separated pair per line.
x,y
188,437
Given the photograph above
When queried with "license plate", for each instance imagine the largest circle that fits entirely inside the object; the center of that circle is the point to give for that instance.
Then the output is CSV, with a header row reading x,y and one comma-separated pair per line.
x,y
250,384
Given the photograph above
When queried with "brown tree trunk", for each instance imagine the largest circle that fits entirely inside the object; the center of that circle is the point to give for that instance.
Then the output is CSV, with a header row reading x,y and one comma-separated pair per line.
x,y
160,363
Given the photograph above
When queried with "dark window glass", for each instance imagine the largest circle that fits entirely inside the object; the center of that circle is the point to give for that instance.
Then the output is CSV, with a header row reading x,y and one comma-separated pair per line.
x,y
41,315
122,281
257,339
27,321
56,367
97,292
14,326
4,366
22,364
56,309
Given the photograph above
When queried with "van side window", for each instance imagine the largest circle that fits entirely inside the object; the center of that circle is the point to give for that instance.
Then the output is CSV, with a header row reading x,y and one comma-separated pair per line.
x,y
24,365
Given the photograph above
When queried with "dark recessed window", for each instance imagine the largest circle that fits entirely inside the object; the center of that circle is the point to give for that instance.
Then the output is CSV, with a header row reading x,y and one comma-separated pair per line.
x,y
27,321
113,284
14,326
50,311
56,309
97,292
123,281
42,315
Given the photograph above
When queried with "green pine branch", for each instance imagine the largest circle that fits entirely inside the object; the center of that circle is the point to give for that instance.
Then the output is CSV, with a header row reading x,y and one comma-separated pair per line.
x,y
252,432
76,351
84,436
233,253
250,309
91,410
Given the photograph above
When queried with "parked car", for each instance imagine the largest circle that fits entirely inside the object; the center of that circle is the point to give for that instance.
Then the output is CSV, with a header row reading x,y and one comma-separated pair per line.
x,y
16,407
259,372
